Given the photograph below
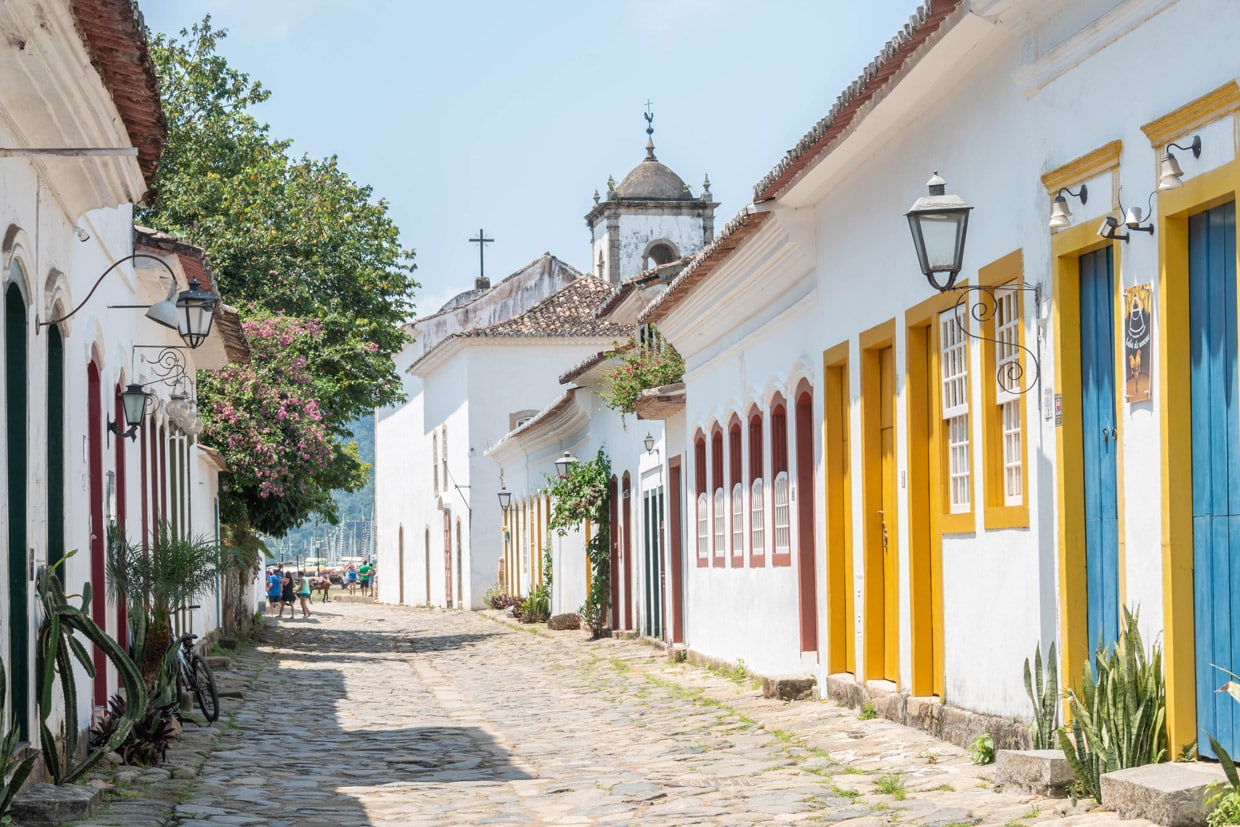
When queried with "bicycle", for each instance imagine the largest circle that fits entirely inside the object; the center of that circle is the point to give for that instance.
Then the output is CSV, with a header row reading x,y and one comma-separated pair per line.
x,y
193,673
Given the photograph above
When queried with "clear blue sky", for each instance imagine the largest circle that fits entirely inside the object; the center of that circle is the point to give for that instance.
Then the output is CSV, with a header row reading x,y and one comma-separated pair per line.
x,y
508,115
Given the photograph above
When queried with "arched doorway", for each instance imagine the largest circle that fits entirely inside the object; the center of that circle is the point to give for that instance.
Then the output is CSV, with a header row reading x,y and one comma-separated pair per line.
x,y
16,382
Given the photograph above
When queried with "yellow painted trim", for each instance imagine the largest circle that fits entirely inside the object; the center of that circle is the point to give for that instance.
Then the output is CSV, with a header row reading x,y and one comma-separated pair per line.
x,y
837,461
1206,109
875,656
1089,165
1175,406
996,512
1066,249
925,494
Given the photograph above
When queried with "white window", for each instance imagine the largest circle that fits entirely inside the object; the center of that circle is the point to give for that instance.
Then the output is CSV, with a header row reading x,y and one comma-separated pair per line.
x,y
703,526
783,522
720,537
954,369
738,518
1008,381
757,526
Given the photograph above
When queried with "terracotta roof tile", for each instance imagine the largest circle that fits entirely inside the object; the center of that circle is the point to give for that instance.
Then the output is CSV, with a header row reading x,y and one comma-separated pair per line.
x,y
570,311
925,22
113,33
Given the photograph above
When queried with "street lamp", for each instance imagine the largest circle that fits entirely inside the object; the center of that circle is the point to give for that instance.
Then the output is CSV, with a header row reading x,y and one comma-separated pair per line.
x,y
505,497
565,462
195,312
938,222
134,401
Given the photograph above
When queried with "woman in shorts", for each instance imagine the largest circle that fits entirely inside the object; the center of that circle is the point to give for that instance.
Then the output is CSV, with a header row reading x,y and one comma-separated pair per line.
x,y
287,597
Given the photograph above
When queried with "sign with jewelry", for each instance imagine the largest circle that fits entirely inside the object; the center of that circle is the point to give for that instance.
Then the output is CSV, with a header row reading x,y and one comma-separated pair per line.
x,y
1137,342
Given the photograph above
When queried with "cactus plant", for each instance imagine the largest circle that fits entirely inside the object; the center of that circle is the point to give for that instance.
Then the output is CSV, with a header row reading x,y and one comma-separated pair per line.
x,y
1044,694
13,771
55,643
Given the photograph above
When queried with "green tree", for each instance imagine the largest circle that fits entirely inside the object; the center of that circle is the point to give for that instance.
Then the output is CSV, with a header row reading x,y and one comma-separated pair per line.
x,y
286,237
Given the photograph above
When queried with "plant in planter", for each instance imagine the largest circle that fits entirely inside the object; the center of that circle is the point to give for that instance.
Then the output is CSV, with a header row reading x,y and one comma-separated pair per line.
x,y
578,496
1118,715
649,363
157,582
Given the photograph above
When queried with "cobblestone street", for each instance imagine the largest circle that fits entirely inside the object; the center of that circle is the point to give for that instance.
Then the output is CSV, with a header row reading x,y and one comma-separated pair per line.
x,y
367,715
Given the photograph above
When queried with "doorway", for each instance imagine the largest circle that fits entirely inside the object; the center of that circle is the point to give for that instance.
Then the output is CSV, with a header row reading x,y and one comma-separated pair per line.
x,y
652,532
1215,464
882,594
16,384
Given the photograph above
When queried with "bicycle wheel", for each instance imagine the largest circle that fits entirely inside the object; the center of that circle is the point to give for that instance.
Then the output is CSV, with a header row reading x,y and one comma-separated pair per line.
x,y
204,689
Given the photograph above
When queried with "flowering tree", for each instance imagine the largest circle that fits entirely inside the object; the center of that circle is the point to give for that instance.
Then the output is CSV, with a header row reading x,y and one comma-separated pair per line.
x,y
580,495
265,418
650,363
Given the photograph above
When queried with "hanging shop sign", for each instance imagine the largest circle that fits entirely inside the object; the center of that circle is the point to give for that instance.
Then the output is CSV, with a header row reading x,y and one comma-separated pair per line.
x,y
1138,342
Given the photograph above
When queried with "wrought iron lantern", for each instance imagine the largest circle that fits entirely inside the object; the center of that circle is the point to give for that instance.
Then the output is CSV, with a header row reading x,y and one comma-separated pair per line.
x,y
939,223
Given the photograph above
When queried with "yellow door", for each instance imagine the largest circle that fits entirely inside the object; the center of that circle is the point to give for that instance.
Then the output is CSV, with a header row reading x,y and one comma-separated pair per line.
x,y
891,568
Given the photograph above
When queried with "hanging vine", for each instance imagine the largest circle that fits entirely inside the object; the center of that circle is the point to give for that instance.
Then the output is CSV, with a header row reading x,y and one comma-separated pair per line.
x,y
578,496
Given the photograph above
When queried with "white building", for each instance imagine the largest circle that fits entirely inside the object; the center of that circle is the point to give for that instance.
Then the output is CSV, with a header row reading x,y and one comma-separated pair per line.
x,y
72,331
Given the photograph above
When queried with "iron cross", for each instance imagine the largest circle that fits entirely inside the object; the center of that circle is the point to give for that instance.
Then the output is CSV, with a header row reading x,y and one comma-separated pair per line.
x,y
481,241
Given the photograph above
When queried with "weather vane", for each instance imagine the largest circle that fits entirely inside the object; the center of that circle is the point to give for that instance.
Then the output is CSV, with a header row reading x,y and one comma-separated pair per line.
x,y
649,116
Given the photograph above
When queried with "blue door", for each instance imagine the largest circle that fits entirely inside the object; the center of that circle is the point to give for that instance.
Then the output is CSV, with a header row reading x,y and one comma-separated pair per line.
x,y
1216,467
1099,444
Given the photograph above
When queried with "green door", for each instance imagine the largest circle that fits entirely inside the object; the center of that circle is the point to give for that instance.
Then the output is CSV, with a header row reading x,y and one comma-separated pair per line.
x,y
15,430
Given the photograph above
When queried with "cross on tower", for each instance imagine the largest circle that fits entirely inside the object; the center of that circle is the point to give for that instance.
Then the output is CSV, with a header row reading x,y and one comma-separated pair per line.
x,y
481,241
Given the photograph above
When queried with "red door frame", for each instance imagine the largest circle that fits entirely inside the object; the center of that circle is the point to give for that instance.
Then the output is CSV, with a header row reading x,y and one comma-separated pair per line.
x,y
122,610
94,447
806,563
675,551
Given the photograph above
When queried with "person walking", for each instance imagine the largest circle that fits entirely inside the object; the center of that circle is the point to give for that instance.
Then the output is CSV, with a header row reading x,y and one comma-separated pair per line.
x,y
287,597
275,590
303,594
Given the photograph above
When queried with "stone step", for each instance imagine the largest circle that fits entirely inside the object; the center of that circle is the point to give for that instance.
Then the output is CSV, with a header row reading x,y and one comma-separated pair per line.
x,y
789,687
1173,795
1038,771
219,662
47,804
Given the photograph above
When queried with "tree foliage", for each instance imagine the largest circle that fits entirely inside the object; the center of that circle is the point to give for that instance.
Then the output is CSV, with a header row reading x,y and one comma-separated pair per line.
x,y
295,244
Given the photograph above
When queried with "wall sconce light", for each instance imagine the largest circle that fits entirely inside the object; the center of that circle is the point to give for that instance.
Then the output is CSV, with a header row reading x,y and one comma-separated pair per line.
x,y
134,400
564,463
1169,172
190,315
649,443
939,223
1110,229
1059,208
1132,221
505,497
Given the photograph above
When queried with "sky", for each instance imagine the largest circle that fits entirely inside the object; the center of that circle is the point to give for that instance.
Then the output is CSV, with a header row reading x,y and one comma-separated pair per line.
x,y
507,116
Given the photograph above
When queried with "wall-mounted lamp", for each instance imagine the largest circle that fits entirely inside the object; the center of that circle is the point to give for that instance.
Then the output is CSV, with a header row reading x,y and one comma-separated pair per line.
x,y
1059,208
1110,229
564,463
505,497
939,222
190,315
1132,221
134,400
649,443
1169,172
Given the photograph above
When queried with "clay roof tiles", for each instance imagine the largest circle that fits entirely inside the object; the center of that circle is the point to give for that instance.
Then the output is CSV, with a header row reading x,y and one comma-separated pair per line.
x,y
113,33
877,76
570,311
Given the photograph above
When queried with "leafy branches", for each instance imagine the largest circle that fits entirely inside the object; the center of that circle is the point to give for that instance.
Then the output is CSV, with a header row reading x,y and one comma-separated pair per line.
x,y
650,362
578,496
291,241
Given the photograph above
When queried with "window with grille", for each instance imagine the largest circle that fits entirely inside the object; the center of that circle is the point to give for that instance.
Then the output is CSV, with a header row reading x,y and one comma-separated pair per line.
x,y
783,523
703,526
720,537
444,458
435,460
757,515
954,370
1008,380
738,518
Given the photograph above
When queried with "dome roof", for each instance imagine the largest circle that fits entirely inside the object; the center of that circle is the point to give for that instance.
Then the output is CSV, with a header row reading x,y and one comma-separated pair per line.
x,y
461,299
651,179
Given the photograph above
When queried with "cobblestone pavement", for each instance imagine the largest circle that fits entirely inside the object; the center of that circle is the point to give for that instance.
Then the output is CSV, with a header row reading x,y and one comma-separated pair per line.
x,y
379,715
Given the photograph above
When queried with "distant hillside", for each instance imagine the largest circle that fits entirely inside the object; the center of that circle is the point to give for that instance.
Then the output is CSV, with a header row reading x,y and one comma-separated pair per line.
x,y
355,507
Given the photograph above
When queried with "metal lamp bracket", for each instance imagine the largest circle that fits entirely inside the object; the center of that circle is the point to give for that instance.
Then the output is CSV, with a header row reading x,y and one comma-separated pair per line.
x,y
980,302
